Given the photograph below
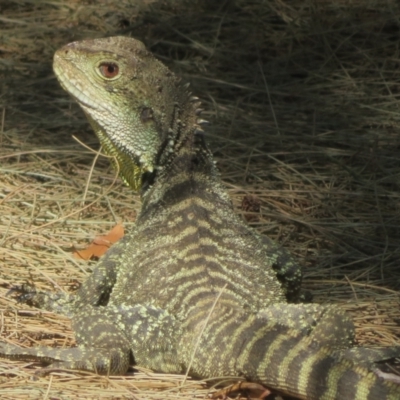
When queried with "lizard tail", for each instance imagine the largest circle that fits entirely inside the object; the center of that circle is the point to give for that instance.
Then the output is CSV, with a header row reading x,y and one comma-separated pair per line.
x,y
309,364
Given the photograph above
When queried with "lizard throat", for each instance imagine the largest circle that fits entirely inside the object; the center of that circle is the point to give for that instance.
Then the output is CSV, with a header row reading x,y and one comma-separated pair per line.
x,y
129,168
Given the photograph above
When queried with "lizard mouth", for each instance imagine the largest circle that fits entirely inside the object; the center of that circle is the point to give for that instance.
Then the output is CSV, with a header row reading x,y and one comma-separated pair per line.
x,y
73,87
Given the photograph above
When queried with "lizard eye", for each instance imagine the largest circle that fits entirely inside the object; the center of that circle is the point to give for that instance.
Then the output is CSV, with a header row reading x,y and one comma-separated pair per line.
x,y
108,70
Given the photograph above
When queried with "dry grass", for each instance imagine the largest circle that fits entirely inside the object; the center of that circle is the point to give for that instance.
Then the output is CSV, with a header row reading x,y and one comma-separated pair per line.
x,y
303,96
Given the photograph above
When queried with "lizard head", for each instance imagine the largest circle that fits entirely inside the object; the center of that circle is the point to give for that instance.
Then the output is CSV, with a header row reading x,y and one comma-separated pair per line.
x,y
129,97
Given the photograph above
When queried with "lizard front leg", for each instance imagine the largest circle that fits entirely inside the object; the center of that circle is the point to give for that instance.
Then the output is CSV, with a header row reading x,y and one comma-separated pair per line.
x,y
94,291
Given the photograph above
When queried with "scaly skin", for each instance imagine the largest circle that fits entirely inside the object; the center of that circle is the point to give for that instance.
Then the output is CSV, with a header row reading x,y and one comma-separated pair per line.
x,y
191,287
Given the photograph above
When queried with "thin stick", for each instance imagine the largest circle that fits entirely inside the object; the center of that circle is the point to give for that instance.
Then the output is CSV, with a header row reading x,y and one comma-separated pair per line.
x,y
201,334
89,178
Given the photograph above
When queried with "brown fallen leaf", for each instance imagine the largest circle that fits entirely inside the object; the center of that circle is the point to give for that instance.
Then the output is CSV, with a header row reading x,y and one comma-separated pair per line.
x,y
101,244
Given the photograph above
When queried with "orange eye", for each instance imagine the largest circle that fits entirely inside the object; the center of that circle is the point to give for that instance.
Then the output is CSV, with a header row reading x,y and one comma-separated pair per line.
x,y
109,70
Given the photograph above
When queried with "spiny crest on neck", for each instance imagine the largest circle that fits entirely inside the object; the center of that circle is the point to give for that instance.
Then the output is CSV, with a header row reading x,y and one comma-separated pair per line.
x,y
185,130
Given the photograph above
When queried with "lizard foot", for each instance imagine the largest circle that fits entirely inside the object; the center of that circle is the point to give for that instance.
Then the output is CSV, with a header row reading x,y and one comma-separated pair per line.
x,y
58,302
24,293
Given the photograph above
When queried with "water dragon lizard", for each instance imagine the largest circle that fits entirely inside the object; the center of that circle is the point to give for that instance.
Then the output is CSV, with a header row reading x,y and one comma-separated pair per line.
x,y
191,287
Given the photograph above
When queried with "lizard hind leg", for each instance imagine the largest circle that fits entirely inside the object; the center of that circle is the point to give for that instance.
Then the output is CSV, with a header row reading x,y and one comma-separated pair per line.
x,y
120,331
368,357
102,348
106,338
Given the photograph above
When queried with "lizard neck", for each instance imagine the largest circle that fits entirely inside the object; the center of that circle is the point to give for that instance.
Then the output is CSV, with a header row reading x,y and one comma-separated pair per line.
x,y
186,169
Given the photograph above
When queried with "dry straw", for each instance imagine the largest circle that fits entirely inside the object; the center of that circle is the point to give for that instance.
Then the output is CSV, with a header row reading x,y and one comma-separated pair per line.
x,y
303,99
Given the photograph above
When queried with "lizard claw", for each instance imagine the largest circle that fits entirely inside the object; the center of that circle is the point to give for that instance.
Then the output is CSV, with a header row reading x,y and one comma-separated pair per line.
x,y
24,293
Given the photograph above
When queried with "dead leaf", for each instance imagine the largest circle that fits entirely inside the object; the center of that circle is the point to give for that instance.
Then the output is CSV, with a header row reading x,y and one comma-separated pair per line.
x,y
101,244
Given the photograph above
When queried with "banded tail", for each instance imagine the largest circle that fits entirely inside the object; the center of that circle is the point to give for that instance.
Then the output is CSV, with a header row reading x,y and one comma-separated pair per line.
x,y
289,357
